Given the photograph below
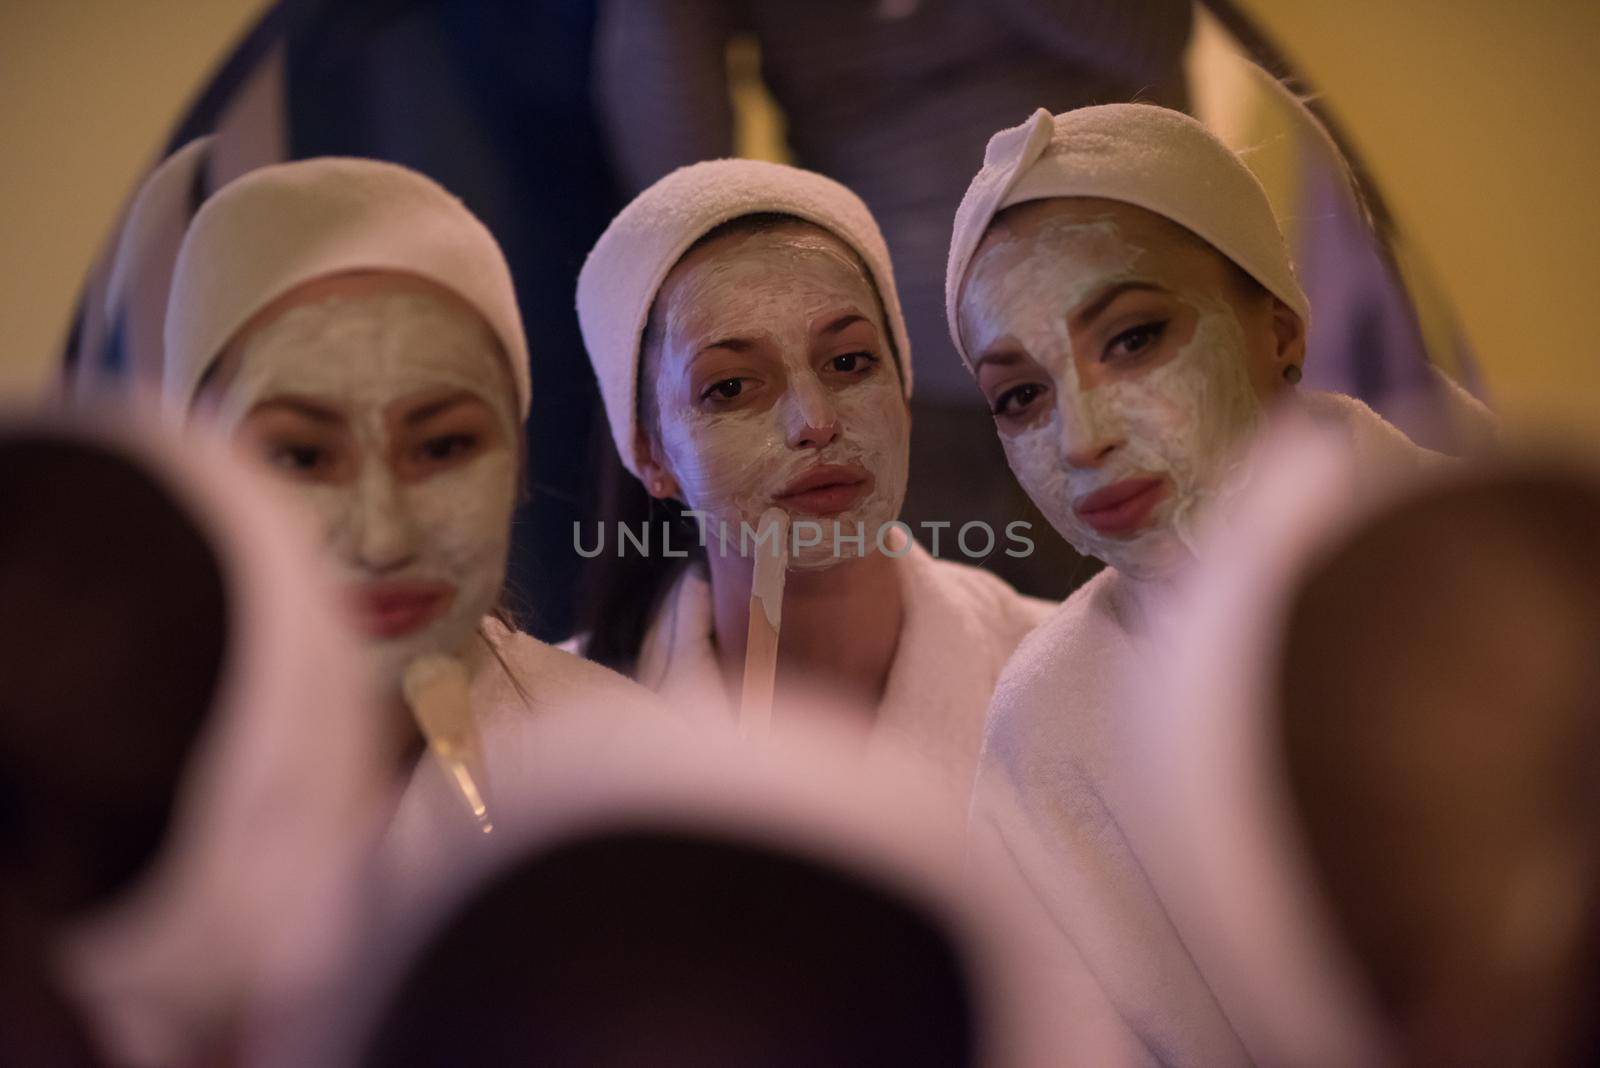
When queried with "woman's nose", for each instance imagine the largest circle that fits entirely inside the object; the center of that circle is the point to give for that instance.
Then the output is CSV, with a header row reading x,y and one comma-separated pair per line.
x,y
385,534
1088,439
813,420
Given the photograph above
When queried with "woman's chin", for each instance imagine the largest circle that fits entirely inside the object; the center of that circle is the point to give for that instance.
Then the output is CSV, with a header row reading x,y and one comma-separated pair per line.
x,y
818,559
391,656
1153,556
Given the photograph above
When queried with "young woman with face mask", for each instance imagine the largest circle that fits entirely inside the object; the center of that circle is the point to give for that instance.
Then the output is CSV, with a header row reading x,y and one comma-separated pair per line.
x,y
743,324
354,326
1122,293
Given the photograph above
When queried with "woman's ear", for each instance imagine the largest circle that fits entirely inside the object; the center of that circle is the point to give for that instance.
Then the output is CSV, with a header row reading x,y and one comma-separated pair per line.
x,y
659,481
1275,347
1289,335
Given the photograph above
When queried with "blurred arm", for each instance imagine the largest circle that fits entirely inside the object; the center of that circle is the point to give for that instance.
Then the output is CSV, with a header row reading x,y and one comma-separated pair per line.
x,y
662,84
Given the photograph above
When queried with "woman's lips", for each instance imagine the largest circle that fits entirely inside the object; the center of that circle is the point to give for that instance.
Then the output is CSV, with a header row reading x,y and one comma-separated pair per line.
x,y
392,609
1122,507
826,489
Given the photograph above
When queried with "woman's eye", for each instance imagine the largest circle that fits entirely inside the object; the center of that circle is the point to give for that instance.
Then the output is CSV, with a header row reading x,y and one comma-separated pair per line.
x,y
1017,399
852,362
447,446
299,459
727,389
1132,342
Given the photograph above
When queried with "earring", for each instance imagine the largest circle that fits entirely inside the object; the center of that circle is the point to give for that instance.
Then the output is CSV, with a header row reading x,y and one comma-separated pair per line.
x,y
1291,374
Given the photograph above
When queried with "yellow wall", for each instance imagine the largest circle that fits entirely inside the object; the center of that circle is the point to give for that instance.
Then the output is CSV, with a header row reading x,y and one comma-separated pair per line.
x,y
89,90
1475,115
1478,119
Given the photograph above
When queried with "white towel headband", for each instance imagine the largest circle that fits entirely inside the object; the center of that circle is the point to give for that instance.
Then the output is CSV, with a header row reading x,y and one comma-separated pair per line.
x,y
278,227
1151,157
619,280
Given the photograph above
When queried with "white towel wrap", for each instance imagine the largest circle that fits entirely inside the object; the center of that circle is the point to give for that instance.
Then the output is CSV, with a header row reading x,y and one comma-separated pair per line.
x,y
1140,154
278,227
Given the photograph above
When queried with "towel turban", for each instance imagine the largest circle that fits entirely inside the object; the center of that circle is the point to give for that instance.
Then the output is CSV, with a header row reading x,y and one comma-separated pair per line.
x,y
279,227
1151,157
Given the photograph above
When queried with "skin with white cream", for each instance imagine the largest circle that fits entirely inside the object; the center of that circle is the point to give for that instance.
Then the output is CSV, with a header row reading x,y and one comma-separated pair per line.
x,y
774,384
1126,362
387,402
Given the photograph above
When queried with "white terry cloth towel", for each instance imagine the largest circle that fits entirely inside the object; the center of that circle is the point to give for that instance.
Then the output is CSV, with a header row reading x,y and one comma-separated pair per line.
x,y
282,792
276,228
1059,778
594,770
625,269
1140,154
141,271
961,624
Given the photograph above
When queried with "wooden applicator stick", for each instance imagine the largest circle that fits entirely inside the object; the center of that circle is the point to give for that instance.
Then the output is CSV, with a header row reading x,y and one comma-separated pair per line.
x,y
766,618
436,688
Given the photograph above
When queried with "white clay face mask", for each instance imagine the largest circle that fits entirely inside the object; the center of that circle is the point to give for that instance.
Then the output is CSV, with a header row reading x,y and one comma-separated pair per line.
x,y
1184,420
732,465
430,540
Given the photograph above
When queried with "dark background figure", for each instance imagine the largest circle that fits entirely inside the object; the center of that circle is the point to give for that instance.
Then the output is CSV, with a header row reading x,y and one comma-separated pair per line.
x,y
491,99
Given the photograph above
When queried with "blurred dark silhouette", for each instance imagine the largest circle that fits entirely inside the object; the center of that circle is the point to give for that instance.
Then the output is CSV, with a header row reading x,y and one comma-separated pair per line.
x,y
1441,716
110,651
645,946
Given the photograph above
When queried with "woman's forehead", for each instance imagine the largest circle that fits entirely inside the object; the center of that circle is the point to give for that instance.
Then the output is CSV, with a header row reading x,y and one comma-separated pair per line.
x,y
1135,223
357,286
1091,230
793,235
724,272
367,348
320,406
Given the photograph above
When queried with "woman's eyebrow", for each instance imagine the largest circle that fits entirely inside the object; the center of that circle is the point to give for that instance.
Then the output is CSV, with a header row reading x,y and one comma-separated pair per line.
x,y
433,408
1007,357
1087,313
732,344
840,323
318,413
